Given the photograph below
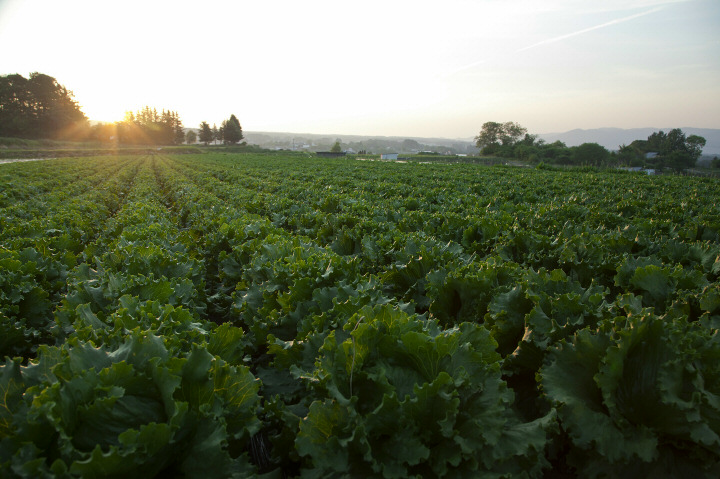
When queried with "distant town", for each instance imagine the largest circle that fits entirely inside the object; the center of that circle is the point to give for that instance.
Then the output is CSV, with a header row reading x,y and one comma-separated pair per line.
x,y
610,138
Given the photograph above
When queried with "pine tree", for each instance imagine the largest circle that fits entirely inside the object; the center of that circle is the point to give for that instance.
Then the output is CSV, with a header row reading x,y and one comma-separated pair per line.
x,y
206,134
179,130
232,131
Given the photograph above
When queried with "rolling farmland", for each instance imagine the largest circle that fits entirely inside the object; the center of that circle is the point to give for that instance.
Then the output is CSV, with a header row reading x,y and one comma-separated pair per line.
x,y
237,315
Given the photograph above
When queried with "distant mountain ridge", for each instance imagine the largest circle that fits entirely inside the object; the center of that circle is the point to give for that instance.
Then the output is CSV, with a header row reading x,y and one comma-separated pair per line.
x,y
612,138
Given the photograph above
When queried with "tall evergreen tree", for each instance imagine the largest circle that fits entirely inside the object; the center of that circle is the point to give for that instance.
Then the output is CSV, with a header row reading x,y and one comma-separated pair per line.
x,y
232,131
178,128
166,129
206,134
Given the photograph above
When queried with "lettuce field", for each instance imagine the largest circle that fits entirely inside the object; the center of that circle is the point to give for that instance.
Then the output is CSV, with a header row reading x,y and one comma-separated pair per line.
x,y
277,316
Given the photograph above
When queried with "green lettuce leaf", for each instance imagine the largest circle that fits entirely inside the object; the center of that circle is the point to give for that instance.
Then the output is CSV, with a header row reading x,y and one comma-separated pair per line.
x,y
640,390
408,399
136,409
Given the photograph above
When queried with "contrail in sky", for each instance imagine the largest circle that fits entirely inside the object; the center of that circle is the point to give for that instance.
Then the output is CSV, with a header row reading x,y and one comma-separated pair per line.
x,y
596,27
562,37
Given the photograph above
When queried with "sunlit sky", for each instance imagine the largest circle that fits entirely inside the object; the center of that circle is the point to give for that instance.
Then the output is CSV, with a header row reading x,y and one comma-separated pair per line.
x,y
386,67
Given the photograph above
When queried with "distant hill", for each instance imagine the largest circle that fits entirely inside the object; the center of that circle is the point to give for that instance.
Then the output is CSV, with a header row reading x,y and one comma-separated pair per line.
x,y
375,144
612,138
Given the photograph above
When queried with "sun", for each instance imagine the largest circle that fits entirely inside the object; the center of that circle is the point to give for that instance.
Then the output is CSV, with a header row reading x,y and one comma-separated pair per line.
x,y
102,111
98,101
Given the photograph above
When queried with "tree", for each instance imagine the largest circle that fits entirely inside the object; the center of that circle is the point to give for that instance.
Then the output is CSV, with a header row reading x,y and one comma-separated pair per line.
x,y
178,127
695,144
191,137
170,130
511,133
674,141
630,155
217,134
38,107
590,154
674,150
232,131
206,134
336,148
494,134
489,137
655,142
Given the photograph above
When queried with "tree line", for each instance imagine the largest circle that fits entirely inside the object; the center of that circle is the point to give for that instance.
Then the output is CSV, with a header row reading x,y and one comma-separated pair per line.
x,y
145,127
148,127
673,150
39,107
230,132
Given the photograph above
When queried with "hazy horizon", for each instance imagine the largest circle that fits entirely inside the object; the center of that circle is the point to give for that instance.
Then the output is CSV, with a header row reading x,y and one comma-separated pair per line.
x,y
472,137
391,68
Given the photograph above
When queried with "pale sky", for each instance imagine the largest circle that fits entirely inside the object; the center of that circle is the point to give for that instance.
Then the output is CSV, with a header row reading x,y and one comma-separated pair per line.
x,y
379,67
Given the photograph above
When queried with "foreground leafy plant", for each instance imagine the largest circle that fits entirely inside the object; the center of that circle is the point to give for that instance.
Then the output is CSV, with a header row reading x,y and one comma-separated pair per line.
x,y
407,399
83,411
639,397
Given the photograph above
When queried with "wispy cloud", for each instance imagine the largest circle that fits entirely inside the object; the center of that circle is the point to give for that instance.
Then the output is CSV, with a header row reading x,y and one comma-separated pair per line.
x,y
590,29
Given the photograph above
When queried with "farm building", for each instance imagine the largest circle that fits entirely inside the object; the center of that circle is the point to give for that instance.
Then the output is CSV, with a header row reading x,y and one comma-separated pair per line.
x,y
389,156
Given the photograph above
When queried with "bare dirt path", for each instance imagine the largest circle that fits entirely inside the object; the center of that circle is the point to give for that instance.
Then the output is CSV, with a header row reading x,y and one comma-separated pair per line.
x,y
23,159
